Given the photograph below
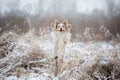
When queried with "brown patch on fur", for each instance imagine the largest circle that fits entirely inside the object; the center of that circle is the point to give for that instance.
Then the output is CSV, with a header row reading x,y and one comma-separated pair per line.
x,y
65,22
56,23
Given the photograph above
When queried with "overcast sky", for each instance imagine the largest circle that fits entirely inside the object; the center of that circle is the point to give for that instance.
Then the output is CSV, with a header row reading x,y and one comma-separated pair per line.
x,y
53,6
89,5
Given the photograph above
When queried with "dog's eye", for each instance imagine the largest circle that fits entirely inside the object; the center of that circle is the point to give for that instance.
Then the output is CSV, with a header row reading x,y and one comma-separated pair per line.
x,y
57,26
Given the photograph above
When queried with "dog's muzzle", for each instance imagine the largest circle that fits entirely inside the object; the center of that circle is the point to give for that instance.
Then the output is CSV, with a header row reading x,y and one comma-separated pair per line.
x,y
61,29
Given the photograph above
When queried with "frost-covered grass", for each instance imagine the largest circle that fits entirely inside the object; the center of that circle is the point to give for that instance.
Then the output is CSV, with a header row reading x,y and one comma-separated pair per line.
x,y
31,57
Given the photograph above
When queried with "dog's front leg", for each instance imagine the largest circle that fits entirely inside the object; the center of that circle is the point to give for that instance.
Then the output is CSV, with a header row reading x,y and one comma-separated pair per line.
x,y
56,49
55,41
67,37
61,46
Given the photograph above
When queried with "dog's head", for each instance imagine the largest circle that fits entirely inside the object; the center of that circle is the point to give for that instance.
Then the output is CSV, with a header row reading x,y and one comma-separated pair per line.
x,y
61,27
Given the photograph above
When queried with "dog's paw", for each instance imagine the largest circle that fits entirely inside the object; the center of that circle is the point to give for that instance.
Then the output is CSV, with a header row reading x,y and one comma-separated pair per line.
x,y
60,61
66,40
56,57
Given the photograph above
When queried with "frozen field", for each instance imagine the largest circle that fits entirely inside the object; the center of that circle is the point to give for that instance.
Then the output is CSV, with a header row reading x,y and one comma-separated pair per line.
x,y
29,57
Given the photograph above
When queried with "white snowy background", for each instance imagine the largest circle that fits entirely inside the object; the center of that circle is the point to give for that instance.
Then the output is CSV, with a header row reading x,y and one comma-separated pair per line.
x,y
26,47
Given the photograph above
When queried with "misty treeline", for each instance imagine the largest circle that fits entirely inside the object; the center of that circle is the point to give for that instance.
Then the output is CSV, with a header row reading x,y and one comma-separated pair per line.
x,y
19,21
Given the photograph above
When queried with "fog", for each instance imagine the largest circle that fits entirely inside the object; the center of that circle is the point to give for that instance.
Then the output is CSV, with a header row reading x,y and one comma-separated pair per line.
x,y
47,7
80,13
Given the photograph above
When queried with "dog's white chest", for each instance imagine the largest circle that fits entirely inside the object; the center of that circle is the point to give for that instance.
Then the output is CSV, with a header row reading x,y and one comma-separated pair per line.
x,y
60,35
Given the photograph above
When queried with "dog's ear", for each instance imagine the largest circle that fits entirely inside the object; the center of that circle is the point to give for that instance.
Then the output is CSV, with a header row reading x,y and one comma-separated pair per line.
x,y
69,27
65,22
56,23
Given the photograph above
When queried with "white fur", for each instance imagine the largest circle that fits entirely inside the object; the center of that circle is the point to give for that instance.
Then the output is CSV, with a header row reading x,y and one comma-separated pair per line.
x,y
60,39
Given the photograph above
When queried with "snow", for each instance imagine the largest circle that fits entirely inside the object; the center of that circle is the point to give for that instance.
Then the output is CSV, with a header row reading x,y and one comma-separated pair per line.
x,y
80,54
11,78
31,76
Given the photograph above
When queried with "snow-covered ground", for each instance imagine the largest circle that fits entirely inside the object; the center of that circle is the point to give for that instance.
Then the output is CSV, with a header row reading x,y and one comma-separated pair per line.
x,y
82,60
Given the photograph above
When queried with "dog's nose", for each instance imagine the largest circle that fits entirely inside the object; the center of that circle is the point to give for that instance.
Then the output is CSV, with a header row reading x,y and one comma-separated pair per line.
x,y
61,29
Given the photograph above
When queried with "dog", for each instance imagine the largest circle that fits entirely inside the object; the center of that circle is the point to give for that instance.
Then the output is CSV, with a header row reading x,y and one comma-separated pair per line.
x,y
60,36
